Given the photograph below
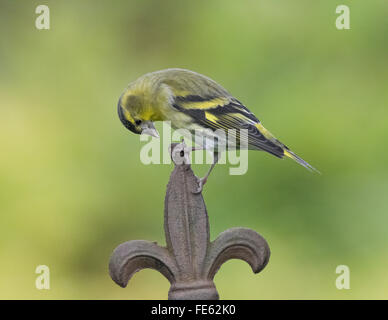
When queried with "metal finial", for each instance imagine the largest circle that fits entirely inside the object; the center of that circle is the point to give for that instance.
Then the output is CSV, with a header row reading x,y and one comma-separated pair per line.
x,y
189,260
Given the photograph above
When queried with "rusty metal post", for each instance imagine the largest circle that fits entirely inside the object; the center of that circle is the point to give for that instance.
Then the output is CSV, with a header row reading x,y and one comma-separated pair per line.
x,y
189,261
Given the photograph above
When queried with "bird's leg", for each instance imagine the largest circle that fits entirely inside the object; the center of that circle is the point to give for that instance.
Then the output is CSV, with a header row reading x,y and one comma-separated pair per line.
x,y
202,181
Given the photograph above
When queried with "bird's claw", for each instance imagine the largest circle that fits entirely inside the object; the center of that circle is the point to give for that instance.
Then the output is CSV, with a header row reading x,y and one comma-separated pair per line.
x,y
201,183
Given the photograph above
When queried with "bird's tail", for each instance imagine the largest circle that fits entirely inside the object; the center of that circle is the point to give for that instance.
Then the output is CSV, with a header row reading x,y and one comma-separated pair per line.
x,y
288,153
279,148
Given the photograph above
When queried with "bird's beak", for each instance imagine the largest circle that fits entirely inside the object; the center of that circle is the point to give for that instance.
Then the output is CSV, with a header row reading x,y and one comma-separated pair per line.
x,y
147,127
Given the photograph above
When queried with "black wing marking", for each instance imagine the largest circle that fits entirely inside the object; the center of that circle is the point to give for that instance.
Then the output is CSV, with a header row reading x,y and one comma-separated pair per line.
x,y
231,115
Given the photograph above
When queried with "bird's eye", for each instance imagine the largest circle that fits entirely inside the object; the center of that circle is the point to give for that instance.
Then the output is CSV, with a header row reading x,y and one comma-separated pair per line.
x,y
182,153
138,122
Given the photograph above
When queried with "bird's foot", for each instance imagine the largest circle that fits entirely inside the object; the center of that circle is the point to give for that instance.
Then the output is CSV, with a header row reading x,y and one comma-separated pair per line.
x,y
201,183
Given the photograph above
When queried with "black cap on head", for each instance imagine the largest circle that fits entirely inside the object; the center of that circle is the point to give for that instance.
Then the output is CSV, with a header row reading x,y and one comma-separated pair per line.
x,y
128,124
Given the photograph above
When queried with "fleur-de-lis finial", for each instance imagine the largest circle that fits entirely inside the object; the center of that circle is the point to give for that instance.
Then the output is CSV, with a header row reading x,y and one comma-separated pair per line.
x,y
189,260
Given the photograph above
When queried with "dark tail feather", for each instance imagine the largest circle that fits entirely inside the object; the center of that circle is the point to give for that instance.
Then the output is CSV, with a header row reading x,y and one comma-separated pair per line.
x,y
293,156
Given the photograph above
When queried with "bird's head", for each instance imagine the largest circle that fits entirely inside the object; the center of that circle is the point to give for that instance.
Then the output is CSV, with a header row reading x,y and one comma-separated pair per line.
x,y
133,115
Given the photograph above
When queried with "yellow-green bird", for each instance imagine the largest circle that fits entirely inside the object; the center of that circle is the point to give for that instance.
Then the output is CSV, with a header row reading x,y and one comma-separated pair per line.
x,y
192,101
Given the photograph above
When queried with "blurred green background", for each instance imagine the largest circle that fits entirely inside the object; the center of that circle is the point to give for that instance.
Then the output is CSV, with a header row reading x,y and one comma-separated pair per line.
x,y
72,186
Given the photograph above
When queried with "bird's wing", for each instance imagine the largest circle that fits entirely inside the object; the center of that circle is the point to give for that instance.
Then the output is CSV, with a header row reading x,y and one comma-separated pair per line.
x,y
225,112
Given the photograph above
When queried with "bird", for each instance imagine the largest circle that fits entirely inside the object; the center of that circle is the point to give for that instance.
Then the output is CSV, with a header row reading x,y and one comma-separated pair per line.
x,y
192,101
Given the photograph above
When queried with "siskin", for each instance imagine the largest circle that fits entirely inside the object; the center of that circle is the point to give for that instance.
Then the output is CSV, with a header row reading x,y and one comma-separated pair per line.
x,y
194,102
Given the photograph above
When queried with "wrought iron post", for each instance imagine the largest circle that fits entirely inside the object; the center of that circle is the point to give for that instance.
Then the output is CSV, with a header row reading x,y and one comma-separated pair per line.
x,y
189,260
